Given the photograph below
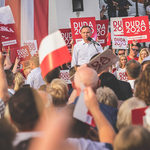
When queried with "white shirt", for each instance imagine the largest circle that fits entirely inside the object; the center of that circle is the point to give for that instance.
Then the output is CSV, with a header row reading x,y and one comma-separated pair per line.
x,y
35,79
83,52
131,83
121,74
86,144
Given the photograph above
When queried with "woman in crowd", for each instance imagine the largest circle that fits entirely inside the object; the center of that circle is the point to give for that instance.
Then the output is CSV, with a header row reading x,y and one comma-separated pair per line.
x,y
120,72
143,53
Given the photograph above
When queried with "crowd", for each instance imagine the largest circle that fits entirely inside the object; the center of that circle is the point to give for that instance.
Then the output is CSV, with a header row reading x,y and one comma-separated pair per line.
x,y
37,113
124,8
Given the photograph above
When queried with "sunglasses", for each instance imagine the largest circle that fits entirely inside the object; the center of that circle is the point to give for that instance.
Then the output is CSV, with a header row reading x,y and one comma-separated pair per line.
x,y
135,49
121,54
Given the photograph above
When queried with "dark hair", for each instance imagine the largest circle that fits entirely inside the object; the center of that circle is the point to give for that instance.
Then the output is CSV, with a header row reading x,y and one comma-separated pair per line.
x,y
23,108
109,80
52,75
132,138
133,68
7,135
9,77
86,27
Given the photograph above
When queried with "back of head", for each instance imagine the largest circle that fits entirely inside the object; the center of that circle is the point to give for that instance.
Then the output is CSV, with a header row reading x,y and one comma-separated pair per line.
x,y
58,89
109,80
7,135
52,75
24,108
132,138
106,96
9,77
143,86
133,68
35,61
19,81
87,76
124,113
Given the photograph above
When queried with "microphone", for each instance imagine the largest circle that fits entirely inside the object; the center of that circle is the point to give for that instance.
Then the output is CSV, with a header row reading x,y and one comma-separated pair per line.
x,y
91,40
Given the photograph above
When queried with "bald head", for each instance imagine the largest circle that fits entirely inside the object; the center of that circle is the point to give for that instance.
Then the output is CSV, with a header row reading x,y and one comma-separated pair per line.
x,y
87,76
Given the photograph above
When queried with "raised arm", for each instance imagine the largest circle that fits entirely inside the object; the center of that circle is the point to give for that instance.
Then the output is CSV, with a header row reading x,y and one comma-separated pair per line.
x,y
105,130
3,82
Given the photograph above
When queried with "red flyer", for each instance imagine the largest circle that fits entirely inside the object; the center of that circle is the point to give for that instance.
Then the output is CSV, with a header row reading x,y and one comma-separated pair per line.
x,y
23,53
67,35
136,28
102,31
77,23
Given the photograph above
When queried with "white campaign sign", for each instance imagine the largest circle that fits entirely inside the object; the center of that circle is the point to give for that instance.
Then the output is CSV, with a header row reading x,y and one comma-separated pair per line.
x,y
64,74
119,42
32,44
117,26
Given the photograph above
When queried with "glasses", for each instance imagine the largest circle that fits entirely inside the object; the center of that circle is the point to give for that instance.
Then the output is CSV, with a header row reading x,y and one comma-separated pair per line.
x,y
134,49
121,54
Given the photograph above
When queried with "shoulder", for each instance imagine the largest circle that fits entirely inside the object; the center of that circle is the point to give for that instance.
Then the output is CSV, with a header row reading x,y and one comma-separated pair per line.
x,y
86,144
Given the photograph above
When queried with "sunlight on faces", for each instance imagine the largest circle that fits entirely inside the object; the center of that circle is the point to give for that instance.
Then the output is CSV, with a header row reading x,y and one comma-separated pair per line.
x,y
134,51
85,33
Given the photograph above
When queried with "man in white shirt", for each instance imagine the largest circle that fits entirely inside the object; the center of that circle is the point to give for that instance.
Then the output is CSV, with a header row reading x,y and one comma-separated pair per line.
x,y
84,50
34,78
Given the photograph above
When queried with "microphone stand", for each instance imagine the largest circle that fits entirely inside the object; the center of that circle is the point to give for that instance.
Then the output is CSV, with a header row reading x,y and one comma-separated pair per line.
x,y
95,47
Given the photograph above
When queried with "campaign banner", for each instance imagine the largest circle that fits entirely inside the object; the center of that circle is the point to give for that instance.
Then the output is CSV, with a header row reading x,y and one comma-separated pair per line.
x,y
32,45
67,35
102,31
103,60
119,42
78,23
137,28
23,53
7,28
116,27
64,74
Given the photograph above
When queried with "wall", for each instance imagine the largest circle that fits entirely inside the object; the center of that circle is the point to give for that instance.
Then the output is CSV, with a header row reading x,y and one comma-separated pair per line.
x,y
61,17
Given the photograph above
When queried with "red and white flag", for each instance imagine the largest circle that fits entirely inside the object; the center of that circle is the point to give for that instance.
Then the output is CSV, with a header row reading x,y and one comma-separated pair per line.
x,y
31,18
53,52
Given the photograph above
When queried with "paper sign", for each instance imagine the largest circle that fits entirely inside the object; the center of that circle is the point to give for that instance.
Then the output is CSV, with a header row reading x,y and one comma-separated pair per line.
x,y
32,44
116,26
80,111
103,60
78,23
6,16
24,53
67,35
137,28
119,42
64,74
7,28
102,31
137,115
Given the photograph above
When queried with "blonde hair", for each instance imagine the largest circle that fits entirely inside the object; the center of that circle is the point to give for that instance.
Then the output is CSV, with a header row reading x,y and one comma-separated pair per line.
x,y
140,59
35,61
19,81
58,89
120,65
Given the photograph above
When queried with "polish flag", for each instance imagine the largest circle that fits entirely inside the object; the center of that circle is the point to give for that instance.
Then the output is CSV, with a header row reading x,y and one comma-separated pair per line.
x,y
53,52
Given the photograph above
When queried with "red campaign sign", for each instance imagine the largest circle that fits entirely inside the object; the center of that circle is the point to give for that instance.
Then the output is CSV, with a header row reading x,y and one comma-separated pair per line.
x,y
67,35
136,28
8,36
77,23
102,31
23,53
